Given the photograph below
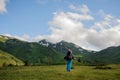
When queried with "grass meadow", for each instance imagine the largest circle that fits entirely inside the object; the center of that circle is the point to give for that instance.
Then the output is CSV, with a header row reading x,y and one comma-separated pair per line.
x,y
58,72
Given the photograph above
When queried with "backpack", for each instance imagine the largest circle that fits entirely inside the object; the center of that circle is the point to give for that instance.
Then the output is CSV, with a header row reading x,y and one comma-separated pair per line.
x,y
65,57
69,57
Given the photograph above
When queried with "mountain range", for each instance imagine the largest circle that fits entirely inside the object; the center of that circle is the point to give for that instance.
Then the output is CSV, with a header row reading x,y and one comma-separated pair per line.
x,y
45,52
64,46
31,53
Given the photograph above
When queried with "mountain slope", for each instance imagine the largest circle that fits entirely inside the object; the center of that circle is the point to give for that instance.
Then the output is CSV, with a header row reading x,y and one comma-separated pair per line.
x,y
63,47
109,55
32,53
9,60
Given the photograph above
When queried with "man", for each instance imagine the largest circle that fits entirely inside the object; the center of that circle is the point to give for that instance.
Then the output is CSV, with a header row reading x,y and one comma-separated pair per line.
x,y
69,58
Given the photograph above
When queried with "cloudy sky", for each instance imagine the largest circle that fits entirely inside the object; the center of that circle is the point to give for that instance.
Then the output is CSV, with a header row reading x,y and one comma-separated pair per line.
x,y
91,24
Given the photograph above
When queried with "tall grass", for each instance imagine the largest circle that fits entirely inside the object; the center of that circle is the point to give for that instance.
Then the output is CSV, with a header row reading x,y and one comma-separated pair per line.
x,y
58,72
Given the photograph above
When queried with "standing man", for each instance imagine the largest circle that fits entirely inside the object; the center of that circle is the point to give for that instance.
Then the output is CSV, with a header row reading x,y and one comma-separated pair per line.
x,y
69,58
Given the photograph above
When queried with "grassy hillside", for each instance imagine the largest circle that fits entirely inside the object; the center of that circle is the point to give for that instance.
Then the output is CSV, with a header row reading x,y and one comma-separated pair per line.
x,y
9,60
110,55
2,39
33,53
59,73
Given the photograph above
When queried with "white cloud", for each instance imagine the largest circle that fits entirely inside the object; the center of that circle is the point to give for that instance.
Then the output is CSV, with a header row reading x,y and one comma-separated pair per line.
x,y
104,38
67,26
70,26
26,37
14,36
108,22
3,6
83,9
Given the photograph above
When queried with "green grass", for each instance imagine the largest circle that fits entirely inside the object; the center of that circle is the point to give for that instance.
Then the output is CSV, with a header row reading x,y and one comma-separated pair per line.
x,y
58,72
7,59
2,39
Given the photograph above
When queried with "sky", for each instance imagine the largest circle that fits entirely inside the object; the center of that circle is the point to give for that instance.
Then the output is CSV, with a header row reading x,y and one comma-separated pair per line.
x,y
91,24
